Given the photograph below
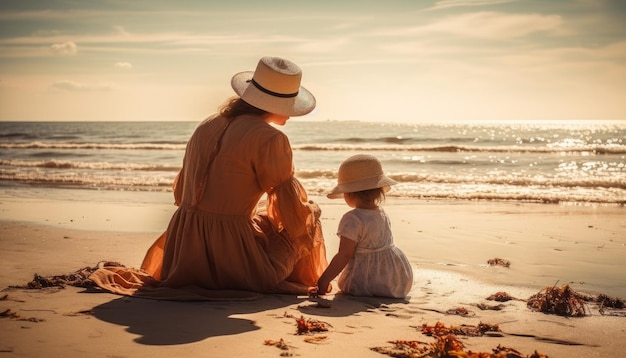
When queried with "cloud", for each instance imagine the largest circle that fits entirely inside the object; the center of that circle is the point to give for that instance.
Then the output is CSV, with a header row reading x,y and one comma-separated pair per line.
x,y
330,45
488,25
71,86
124,65
445,4
157,42
120,30
497,25
64,48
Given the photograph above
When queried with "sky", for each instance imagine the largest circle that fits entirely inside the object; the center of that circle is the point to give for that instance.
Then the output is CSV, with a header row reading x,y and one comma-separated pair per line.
x,y
392,60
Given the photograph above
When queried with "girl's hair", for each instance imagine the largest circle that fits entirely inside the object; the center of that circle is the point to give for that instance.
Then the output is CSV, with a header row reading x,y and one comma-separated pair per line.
x,y
375,196
235,106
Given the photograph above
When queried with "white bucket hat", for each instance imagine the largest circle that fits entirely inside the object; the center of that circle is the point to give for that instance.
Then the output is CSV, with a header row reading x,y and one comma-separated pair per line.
x,y
274,87
360,172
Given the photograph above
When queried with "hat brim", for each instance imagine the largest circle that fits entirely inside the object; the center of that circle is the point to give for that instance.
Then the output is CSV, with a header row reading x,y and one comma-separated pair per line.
x,y
299,105
381,181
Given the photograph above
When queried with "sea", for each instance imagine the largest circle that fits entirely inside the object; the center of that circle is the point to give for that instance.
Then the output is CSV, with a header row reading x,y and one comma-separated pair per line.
x,y
550,162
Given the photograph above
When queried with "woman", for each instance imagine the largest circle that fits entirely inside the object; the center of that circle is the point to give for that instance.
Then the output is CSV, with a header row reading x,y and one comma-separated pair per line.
x,y
223,236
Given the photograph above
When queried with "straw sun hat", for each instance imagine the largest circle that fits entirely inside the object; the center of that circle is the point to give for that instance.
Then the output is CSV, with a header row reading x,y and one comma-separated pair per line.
x,y
360,172
274,87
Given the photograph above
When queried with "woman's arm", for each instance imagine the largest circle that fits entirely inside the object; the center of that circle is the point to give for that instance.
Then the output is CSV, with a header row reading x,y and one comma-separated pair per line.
x,y
288,206
341,259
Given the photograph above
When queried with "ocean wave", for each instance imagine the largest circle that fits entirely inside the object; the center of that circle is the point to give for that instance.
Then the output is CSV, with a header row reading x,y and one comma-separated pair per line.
x,y
366,147
99,146
429,187
20,135
538,197
486,192
591,149
606,182
16,169
400,139
88,181
613,182
62,164
316,174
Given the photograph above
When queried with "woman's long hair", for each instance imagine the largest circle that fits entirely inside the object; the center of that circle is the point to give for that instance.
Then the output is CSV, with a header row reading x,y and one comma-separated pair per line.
x,y
235,107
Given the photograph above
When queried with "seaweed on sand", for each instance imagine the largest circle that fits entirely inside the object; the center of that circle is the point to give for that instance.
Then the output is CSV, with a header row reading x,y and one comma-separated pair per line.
x,y
440,329
447,346
502,296
562,301
78,278
499,262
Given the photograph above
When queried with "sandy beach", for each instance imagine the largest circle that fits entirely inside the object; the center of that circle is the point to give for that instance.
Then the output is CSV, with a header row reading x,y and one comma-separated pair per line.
x,y
447,242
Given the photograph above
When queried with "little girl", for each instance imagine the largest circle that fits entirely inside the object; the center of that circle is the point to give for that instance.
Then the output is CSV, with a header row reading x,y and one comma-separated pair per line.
x,y
371,264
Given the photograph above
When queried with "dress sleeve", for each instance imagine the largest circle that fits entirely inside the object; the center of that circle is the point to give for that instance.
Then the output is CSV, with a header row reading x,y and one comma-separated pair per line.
x,y
287,202
349,227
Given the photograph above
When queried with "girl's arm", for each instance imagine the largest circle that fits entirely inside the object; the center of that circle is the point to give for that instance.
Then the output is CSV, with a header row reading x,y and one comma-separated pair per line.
x,y
341,259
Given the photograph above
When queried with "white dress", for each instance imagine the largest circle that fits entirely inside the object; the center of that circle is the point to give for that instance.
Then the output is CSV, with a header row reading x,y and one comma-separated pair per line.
x,y
378,267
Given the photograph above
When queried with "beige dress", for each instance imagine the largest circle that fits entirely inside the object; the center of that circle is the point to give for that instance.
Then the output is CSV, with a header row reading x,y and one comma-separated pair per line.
x,y
222,239
378,267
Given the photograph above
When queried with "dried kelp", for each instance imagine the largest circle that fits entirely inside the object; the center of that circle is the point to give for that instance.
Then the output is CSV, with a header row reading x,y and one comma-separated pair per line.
x,y
566,302
78,278
499,262
447,346
502,297
608,306
484,307
602,300
282,345
14,315
8,313
407,349
311,325
442,347
460,311
315,339
611,302
279,344
308,325
562,301
440,329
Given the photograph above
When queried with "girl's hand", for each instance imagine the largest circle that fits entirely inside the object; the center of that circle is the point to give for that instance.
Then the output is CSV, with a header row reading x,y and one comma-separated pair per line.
x,y
315,297
312,291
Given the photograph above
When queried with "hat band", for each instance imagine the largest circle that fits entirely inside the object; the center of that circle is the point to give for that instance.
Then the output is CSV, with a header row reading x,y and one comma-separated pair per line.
x,y
271,93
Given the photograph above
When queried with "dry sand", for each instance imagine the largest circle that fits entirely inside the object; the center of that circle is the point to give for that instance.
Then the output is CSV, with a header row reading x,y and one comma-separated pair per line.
x,y
448,244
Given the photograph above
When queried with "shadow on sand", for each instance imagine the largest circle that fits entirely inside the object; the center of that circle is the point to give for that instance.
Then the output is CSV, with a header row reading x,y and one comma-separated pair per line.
x,y
170,323
343,305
